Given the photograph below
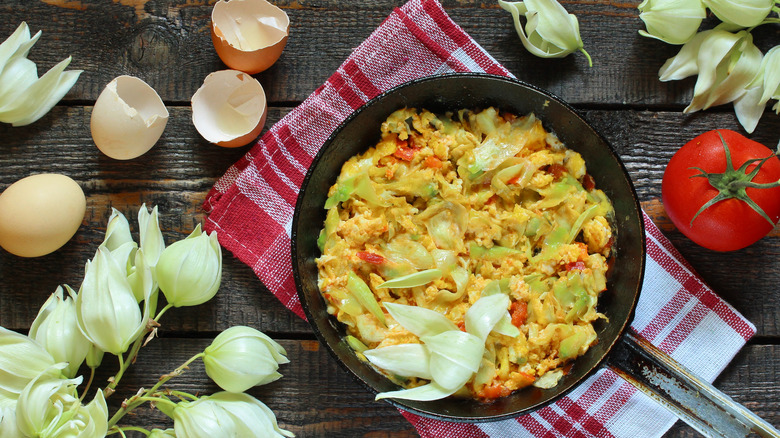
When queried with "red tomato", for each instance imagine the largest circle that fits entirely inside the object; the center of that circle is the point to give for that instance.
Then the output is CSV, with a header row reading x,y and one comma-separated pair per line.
x,y
519,312
731,223
370,257
433,162
403,151
493,391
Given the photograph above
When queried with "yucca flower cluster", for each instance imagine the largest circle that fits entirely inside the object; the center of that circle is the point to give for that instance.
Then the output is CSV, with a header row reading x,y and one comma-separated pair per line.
x,y
728,65
115,312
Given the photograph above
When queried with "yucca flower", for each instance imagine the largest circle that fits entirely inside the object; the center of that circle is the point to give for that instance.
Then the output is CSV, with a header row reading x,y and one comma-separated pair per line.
x,y
189,271
726,63
56,329
671,21
550,31
242,357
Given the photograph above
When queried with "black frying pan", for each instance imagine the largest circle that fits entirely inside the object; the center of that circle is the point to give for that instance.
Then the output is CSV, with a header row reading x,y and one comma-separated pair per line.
x,y
473,91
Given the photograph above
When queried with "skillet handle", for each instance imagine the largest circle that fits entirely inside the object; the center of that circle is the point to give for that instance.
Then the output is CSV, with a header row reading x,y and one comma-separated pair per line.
x,y
693,400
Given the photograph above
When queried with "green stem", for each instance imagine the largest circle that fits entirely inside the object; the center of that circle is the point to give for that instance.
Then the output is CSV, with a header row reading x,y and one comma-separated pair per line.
x,y
89,383
124,365
587,55
118,376
121,430
769,20
139,399
158,400
162,312
184,395
134,402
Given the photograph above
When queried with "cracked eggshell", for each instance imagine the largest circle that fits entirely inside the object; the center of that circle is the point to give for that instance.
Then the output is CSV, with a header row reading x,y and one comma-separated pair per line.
x,y
230,108
128,118
249,35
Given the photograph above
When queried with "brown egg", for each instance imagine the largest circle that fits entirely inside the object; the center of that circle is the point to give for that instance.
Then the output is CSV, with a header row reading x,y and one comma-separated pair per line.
x,y
230,108
40,213
248,35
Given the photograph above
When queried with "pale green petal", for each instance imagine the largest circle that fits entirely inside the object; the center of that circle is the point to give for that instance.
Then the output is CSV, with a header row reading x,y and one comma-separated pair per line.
x,y
420,278
189,272
550,32
21,360
770,75
749,109
117,231
671,21
46,100
407,360
151,238
460,347
428,392
684,64
242,357
710,57
251,416
9,47
56,329
555,24
15,79
106,308
202,418
8,427
419,320
485,313
721,79
745,13
42,402
38,95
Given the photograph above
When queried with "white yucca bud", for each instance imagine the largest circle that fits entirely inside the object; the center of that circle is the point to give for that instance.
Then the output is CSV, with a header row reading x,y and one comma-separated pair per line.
x,y
57,330
189,271
50,408
106,308
743,13
224,414
21,360
242,357
671,21
550,31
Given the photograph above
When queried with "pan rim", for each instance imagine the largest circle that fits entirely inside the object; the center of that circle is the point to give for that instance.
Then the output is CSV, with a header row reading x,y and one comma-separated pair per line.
x,y
403,404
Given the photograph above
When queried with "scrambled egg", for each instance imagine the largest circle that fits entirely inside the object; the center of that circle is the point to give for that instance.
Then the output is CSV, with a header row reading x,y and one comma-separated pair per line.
x,y
494,201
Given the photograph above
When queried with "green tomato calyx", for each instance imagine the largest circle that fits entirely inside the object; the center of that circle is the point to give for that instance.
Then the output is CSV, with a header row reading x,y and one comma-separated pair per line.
x,y
732,183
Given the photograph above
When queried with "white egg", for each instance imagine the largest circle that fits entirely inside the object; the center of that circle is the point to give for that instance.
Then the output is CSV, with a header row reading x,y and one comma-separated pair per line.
x,y
230,108
40,213
128,118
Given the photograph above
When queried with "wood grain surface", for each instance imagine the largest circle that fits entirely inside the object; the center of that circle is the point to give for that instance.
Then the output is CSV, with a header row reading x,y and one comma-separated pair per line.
x,y
167,43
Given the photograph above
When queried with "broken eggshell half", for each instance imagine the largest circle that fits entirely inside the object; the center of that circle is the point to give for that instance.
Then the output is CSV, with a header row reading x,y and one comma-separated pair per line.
x,y
230,108
128,118
248,35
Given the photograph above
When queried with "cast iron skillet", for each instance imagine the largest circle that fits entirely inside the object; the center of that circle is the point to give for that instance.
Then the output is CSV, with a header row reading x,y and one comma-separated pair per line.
x,y
474,91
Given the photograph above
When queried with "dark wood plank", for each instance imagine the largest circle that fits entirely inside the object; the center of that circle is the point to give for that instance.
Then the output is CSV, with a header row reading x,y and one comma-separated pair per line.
x,y
317,398
175,175
168,45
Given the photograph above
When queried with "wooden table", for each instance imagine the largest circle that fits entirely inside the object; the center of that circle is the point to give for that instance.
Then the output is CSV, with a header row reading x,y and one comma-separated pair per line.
x,y
167,43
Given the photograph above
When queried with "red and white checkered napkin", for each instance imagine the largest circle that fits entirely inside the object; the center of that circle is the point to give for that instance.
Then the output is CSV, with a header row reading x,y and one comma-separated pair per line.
x,y
251,207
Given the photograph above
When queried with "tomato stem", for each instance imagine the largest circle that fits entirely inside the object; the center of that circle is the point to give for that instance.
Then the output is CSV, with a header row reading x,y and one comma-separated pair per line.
x,y
732,183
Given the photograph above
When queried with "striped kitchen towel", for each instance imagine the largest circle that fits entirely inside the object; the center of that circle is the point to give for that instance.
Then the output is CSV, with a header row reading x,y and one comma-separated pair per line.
x,y
251,208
